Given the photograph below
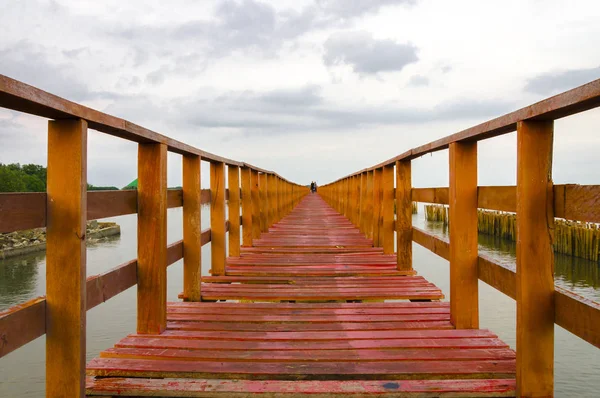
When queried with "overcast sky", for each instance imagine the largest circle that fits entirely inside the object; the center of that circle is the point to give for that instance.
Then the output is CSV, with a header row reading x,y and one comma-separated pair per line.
x,y
313,89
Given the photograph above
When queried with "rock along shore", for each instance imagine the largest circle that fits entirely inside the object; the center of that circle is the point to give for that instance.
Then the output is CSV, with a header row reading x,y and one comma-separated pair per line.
x,y
34,240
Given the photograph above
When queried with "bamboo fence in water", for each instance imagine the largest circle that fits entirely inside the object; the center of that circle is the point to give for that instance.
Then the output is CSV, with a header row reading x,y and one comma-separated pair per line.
x,y
573,238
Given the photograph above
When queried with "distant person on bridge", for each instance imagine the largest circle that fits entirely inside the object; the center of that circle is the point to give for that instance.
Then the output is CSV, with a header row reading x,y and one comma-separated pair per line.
x,y
313,187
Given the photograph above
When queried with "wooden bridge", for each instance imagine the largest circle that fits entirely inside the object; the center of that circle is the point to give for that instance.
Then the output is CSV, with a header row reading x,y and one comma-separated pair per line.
x,y
316,294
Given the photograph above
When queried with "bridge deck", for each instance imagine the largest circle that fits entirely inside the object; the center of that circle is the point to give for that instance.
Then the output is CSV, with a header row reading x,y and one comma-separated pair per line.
x,y
302,324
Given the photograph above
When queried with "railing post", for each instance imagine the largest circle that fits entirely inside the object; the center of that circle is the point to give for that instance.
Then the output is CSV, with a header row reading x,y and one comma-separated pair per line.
x,y
152,239
363,203
404,215
357,202
246,207
233,183
192,232
377,215
264,201
464,298
369,205
272,201
387,229
217,218
255,205
535,260
66,258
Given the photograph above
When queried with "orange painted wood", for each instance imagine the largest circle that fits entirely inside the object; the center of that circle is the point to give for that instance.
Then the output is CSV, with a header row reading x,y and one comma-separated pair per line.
x,y
255,206
404,230
21,324
264,201
377,207
246,177
387,217
233,181
66,258
271,200
369,205
217,218
464,294
192,232
535,260
294,389
152,239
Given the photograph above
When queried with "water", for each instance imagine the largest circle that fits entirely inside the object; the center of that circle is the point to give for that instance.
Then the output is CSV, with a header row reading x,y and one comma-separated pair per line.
x,y
22,372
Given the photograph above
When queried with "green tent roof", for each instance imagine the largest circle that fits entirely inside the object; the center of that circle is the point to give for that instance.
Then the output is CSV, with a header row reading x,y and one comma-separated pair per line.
x,y
131,185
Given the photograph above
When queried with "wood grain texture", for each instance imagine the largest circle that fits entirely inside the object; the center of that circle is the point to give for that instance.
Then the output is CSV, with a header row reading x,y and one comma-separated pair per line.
x,y
65,244
233,205
377,207
535,259
404,229
20,211
21,324
246,177
256,206
264,201
438,195
217,218
192,233
464,293
152,238
388,222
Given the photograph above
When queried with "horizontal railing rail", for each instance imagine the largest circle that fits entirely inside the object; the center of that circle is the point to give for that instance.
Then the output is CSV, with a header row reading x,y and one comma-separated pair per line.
x,y
366,197
263,196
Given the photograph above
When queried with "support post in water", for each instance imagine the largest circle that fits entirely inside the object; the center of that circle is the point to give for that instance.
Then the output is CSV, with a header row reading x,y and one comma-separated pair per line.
x,y
192,233
464,280
66,258
217,218
535,259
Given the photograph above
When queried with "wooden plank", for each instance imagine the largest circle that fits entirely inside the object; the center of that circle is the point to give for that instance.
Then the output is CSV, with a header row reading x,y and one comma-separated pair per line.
x,y
272,199
152,238
205,196
438,195
535,259
255,205
578,315
21,324
233,181
246,206
464,293
388,224
404,229
174,198
298,370
105,286
20,211
65,244
577,202
497,198
294,389
192,234
102,204
217,218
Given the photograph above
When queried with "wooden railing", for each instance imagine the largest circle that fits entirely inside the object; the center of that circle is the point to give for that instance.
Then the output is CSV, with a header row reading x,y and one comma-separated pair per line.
x,y
264,196
366,198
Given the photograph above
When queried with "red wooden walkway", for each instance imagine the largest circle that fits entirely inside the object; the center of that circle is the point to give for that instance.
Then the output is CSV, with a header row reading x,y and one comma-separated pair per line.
x,y
309,318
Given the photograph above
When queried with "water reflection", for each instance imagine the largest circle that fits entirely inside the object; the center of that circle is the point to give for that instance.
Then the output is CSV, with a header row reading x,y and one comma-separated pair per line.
x,y
19,278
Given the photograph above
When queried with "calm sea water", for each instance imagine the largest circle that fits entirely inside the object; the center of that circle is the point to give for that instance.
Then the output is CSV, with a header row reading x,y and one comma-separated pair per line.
x,y
22,372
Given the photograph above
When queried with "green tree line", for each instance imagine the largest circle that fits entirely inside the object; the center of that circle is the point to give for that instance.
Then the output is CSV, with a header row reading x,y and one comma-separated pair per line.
x,y
30,178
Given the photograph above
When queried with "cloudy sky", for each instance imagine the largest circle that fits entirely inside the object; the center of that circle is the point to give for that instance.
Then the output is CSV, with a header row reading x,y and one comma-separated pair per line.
x,y
313,89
